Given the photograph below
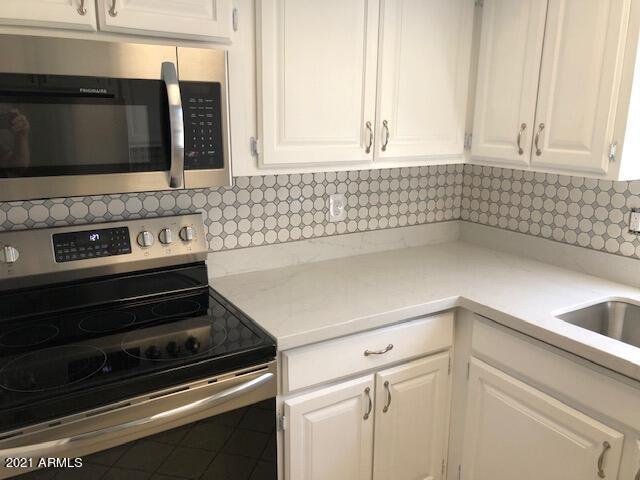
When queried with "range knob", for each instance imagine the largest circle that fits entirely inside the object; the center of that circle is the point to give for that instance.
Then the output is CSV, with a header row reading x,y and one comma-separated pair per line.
x,y
9,254
192,344
145,239
187,233
166,236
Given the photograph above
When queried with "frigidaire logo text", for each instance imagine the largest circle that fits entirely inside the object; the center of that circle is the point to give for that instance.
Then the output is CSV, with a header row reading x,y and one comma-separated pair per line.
x,y
93,90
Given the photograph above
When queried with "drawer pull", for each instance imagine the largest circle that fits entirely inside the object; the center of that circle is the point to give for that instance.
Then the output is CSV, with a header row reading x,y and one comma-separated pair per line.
x,y
386,407
379,352
605,448
367,392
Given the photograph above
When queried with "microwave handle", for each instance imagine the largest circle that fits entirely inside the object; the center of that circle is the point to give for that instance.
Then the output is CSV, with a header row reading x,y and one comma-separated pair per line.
x,y
176,124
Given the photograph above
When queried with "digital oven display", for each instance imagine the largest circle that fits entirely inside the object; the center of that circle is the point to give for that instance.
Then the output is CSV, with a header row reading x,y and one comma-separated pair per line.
x,y
72,246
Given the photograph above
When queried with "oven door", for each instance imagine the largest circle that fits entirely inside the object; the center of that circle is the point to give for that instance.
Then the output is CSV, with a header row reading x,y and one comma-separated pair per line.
x,y
84,118
220,428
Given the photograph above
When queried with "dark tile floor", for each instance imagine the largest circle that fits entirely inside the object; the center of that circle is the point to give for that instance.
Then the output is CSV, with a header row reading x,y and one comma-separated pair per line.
x,y
237,445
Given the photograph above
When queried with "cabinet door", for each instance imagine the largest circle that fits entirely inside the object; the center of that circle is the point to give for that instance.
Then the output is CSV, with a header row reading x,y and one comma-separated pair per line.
x,y
317,80
75,14
516,431
329,435
507,85
411,420
192,19
579,77
423,67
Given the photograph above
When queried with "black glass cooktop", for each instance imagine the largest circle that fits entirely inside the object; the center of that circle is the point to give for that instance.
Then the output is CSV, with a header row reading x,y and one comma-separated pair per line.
x,y
60,363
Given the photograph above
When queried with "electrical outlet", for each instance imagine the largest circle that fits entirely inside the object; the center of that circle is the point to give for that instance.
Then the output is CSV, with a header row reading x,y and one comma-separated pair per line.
x,y
337,207
634,221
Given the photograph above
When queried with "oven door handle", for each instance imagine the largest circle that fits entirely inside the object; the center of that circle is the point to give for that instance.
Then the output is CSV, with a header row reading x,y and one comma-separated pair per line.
x,y
176,124
49,448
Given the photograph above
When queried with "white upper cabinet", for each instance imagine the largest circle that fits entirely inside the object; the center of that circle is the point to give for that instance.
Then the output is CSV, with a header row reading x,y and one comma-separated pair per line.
x,y
325,69
412,405
507,85
329,435
423,64
73,14
316,80
515,431
190,19
557,87
581,65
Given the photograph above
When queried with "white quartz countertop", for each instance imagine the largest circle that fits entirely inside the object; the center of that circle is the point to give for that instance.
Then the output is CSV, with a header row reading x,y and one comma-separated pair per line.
x,y
312,302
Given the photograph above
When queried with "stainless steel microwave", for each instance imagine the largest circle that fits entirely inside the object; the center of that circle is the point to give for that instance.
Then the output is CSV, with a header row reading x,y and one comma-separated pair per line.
x,y
82,117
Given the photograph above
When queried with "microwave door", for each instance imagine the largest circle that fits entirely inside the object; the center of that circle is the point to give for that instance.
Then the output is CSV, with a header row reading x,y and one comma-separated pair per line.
x,y
103,118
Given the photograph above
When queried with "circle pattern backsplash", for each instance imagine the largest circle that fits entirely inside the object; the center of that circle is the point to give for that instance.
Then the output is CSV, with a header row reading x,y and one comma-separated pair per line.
x,y
274,209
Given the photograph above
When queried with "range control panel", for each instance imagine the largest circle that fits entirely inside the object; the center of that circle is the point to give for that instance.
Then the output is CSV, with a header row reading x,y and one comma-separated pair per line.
x,y
202,110
44,256
85,244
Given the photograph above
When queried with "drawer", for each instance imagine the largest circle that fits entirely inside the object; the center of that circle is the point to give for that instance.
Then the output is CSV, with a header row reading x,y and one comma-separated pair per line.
x,y
334,359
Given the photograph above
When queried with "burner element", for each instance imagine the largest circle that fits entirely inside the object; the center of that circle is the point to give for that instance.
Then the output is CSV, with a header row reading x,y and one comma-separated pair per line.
x,y
52,368
174,308
107,321
29,336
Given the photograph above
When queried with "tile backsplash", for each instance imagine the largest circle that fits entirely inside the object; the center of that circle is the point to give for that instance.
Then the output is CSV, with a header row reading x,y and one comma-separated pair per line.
x,y
274,209
271,209
579,211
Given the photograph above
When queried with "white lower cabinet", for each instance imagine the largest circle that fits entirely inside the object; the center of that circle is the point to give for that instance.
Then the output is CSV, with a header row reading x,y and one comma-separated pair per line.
x,y
411,419
329,432
516,431
329,435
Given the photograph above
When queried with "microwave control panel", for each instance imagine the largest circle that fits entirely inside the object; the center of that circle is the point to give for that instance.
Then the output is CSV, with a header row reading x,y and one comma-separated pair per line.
x,y
202,110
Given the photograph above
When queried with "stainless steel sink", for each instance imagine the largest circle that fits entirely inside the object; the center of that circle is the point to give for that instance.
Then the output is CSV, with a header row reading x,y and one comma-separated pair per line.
x,y
617,320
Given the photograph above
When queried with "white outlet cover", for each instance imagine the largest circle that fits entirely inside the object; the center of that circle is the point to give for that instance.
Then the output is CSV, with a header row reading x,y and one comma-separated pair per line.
x,y
634,222
337,207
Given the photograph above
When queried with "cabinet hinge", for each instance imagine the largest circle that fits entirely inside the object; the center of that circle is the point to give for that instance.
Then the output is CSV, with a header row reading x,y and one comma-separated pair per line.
x,y
282,423
468,138
468,370
442,470
449,367
613,148
459,472
255,146
234,19
479,3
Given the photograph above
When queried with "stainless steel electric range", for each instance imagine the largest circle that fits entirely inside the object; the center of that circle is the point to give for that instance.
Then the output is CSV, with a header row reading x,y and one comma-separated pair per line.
x,y
117,360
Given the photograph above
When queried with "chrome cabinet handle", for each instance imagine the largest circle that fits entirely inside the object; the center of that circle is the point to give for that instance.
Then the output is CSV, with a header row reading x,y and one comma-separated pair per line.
x,y
176,123
367,392
385,131
523,127
385,409
81,10
368,148
49,448
112,11
379,352
605,448
537,141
